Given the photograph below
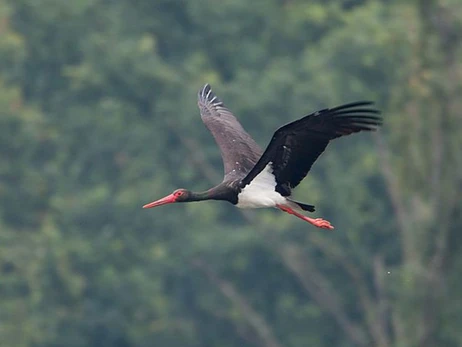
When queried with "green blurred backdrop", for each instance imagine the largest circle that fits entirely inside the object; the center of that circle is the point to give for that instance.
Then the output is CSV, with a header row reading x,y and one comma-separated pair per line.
x,y
98,116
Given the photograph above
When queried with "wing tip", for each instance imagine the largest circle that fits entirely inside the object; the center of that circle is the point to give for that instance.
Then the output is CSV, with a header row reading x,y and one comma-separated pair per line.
x,y
353,104
206,94
204,89
359,111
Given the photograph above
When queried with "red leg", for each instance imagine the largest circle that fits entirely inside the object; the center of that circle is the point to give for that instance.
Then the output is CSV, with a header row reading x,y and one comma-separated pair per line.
x,y
318,222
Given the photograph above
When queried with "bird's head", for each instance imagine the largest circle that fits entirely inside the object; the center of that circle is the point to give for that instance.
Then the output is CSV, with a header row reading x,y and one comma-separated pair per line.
x,y
179,195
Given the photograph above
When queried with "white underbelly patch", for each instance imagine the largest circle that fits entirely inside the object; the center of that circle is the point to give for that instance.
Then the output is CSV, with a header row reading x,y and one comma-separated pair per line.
x,y
261,192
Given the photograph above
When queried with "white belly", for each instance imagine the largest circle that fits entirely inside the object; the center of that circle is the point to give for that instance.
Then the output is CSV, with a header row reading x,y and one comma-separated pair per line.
x,y
261,191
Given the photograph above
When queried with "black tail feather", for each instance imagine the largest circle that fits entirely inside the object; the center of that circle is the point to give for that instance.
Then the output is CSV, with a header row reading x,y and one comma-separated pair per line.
x,y
304,207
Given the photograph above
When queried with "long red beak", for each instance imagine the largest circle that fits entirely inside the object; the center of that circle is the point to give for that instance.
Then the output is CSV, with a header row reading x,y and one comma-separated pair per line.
x,y
167,200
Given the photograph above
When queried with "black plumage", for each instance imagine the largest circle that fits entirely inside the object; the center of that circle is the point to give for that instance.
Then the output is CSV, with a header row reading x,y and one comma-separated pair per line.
x,y
296,146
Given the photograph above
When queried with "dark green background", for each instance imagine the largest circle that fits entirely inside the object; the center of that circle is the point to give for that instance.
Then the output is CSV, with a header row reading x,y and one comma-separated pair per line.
x,y
98,116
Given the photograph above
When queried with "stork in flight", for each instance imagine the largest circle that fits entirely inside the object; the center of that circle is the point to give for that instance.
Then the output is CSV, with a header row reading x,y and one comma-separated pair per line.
x,y
256,179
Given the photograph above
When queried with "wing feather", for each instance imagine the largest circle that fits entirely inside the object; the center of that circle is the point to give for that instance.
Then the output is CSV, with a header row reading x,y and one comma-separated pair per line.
x,y
238,150
296,146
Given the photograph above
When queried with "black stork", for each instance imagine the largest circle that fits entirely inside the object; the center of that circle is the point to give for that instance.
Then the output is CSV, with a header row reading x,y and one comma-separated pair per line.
x,y
256,179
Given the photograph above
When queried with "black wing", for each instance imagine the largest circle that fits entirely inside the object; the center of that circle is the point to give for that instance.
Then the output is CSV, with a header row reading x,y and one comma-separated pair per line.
x,y
296,146
238,150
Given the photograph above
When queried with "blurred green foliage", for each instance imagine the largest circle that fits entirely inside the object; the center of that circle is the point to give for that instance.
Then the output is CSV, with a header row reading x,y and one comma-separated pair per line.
x,y
98,117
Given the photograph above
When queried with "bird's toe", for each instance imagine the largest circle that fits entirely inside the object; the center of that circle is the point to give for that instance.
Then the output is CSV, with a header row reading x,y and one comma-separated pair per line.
x,y
323,224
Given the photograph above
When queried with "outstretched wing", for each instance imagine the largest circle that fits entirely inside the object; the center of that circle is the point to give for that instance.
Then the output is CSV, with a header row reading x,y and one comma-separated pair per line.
x,y
296,146
238,150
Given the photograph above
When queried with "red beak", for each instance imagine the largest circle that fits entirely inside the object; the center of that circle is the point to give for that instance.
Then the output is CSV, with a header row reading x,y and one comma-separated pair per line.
x,y
167,200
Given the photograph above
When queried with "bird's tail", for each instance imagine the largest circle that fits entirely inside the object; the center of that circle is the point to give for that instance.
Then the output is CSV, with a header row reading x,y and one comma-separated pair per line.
x,y
304,207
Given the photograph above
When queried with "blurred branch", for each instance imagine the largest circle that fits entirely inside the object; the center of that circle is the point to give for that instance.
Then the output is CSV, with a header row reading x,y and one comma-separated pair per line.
x,y
254,320
435,38
243,330
373,315
437,154
394,190
442,233
399,328
440,20
318,287
381,316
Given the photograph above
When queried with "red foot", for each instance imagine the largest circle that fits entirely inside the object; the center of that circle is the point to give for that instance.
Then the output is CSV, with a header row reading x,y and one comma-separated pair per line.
x,y
318,222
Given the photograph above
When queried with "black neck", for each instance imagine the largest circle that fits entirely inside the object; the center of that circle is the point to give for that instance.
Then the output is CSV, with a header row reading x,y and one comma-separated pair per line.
x,y
220,192
199,196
